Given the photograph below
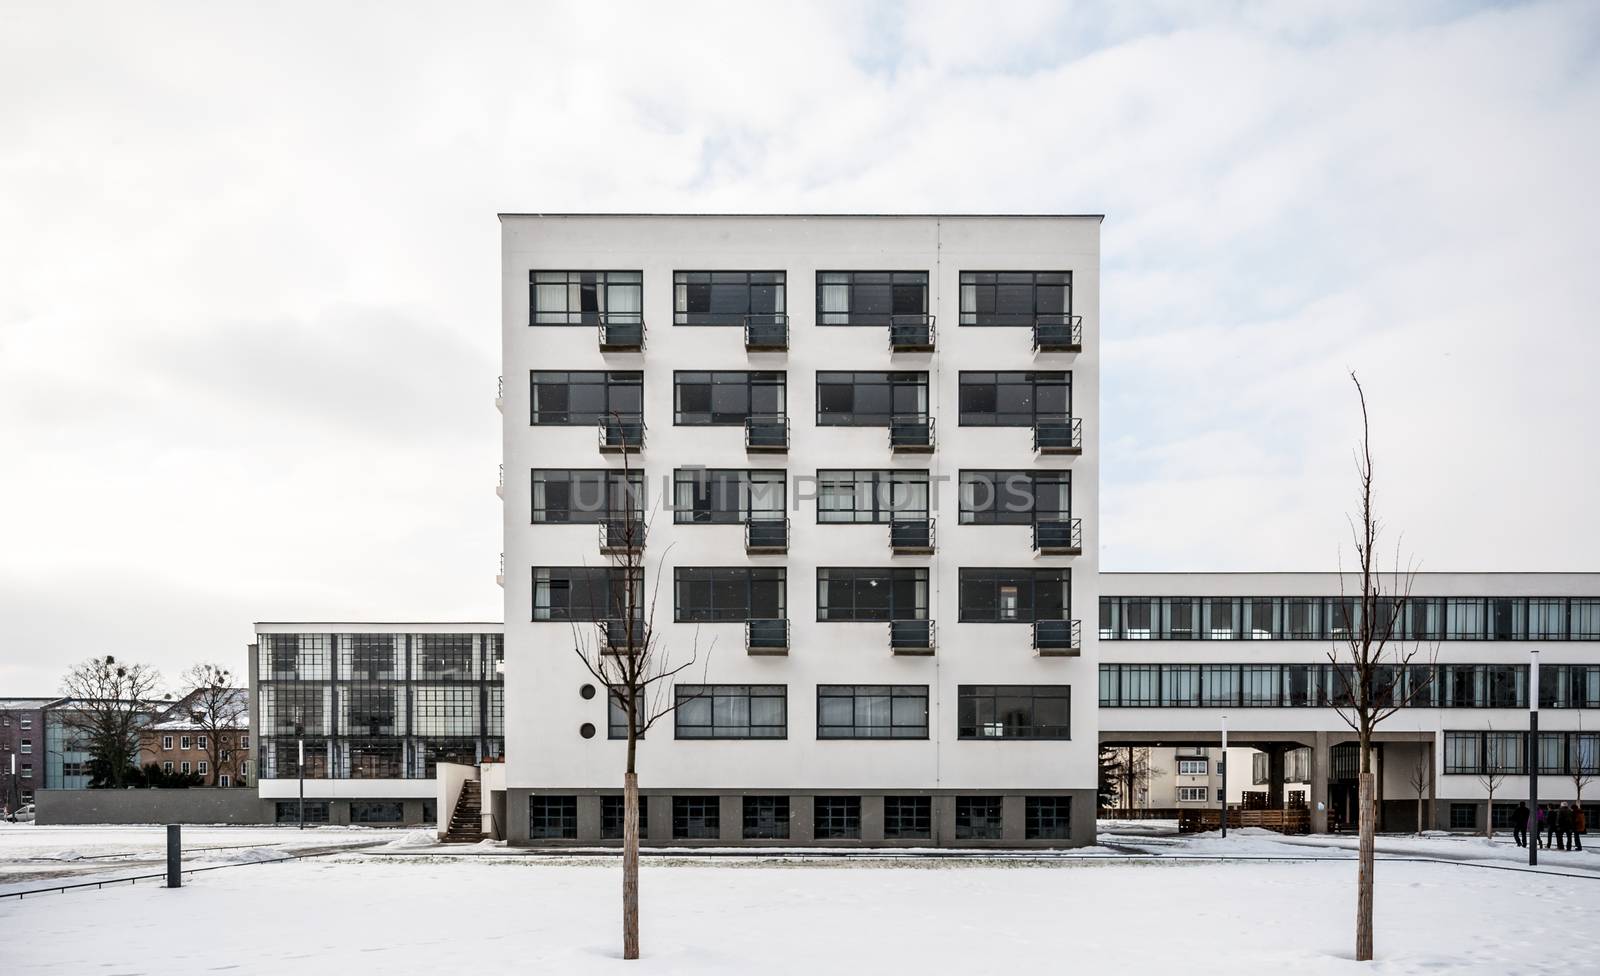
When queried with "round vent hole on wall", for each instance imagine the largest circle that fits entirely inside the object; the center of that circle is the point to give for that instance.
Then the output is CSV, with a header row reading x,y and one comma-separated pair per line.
x,y
587,691
586,730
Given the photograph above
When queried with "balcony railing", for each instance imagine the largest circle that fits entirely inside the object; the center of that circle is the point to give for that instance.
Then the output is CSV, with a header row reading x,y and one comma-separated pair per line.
x,y
621,332
911,636
766,636
1057,434
1058,537
500,394
1057,638
618,630
1058,333
622,535
500,577
911,433
911,333
766,333
622,435
766,535
911,537
766,434
500,483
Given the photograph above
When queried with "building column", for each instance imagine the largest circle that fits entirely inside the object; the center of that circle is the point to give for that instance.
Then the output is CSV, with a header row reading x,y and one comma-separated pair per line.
x,y
1275,757
1321,766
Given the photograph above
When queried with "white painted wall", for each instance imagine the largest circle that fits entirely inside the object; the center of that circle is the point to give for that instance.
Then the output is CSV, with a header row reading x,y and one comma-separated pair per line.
x,y
544,709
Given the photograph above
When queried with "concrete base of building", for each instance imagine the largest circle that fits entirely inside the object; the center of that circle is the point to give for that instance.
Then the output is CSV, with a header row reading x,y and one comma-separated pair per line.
x,y
363,812
657,828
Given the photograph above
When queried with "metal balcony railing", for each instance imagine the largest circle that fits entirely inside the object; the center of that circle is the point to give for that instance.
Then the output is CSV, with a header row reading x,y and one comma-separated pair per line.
x,y
500,576
766,636
766,535
500,394
911,536
766,433
1062,537
1057,638
622,435
911,333
617,631
766,333
1057,434
911,433
911,636
621,332
500,483
622,535
1058,333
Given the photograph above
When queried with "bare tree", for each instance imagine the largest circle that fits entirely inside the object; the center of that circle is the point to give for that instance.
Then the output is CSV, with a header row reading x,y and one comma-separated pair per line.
x,y
110,703
1493,773
1374,660
623,652
1584,763
1130,767
1420,777
216,709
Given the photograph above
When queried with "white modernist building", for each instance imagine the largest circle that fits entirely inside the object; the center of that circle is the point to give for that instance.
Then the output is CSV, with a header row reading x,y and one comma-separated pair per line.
x,y
867,451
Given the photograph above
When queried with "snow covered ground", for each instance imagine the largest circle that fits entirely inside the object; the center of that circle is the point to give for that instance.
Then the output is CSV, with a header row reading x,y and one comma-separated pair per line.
x,y
412,908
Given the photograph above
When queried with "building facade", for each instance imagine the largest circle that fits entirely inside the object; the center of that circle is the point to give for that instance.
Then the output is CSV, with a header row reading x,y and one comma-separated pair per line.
x,y
866,450
180,741
21,750
374,707
1179,651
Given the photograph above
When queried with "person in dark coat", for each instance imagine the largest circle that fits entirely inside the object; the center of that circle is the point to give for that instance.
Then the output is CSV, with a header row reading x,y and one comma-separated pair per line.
x,y
1547,823
1519,825
1580,826
1563,825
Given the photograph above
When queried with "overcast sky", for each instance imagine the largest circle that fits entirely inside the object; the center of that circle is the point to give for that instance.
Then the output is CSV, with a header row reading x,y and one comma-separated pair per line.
x,y
249,318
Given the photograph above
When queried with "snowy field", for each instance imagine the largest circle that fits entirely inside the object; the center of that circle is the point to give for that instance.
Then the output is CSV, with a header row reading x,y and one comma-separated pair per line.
x,y
409,907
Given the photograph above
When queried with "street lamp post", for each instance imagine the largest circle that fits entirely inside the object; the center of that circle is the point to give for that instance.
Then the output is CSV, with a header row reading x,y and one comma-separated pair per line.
x,y
300,744
1224,766
1533,756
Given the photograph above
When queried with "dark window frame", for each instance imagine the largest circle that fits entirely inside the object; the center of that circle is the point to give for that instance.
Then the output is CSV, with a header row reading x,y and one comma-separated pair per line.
x,y
609,487
599,281
918,578
696,817
552,816
686,581
687,696
836,817
970,384
684,284
998,489
980,817
1028,583
898,385
907,817
899,482
992,317
560,579
970,713
900,285
766,817
713,484
1047,818
613,383
896,695
751,380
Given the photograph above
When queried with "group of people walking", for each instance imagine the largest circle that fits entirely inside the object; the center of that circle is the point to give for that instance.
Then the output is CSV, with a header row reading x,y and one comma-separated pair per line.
x,y
1562,827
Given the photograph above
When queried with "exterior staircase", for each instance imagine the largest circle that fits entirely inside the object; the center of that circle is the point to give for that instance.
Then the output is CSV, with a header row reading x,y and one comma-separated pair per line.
x,y
466,821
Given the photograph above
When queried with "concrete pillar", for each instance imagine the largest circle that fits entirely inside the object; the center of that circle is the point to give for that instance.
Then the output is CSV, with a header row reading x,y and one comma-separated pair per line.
x,y
730,814
589,818
1275,754
1321,767
944,820
872,819
1013,818
802,819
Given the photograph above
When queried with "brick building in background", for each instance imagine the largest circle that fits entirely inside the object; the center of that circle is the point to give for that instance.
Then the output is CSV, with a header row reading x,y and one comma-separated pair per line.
x,y
21,750
179,741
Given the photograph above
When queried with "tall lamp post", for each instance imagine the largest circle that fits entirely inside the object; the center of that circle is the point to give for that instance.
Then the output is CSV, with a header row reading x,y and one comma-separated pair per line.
x,y
1533,756
1224,766
300,745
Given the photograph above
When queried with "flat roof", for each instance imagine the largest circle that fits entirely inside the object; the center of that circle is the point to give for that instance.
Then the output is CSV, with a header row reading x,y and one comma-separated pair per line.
x,y
909,216
379,623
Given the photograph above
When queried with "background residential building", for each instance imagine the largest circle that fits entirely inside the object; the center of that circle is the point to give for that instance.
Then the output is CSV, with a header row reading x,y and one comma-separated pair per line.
x,y
21,750
179,741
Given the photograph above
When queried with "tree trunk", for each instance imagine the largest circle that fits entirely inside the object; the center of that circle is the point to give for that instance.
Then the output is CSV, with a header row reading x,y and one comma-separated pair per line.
x,y
630,865
1369,837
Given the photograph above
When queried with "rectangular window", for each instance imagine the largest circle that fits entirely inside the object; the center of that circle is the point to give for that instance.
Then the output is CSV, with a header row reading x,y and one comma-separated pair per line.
x,y
709,594
696,817
183,742
586,495
1015,595
728,398
1015,497
766,818
183,767
553,817
836,817
907,817
166,743
376,811
1014,712
586,297
288,811
203,767
726,297
611,817
1015,297
202,742
582,593
870,297
1503,753
1193,767
1463,816
617,719
870,399
732,712
225,780
872,594
586,398
728,495
872,711
1192,794
1463,753
872,496
978,818
1048,818
166,767
1013,399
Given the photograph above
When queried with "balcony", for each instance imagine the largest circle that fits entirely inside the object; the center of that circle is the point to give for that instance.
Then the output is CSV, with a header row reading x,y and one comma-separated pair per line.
x,y
622,435
621,332
911,434
911,333
766,333
500,394
911,537
1058,333
1057,434
766,636
617,632
766,434
1058,538
621,536
766,536
500,486
1057,638
500,577
911,637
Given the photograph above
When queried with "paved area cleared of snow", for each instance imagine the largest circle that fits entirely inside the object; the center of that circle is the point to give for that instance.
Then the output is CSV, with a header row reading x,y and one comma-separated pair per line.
x,y
412,909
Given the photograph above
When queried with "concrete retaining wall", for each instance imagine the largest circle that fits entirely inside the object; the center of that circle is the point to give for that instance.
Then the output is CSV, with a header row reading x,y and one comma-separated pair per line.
x,y
192,806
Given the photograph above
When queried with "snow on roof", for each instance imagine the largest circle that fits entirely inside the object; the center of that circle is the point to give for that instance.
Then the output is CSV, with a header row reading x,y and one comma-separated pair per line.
x,y
188,713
